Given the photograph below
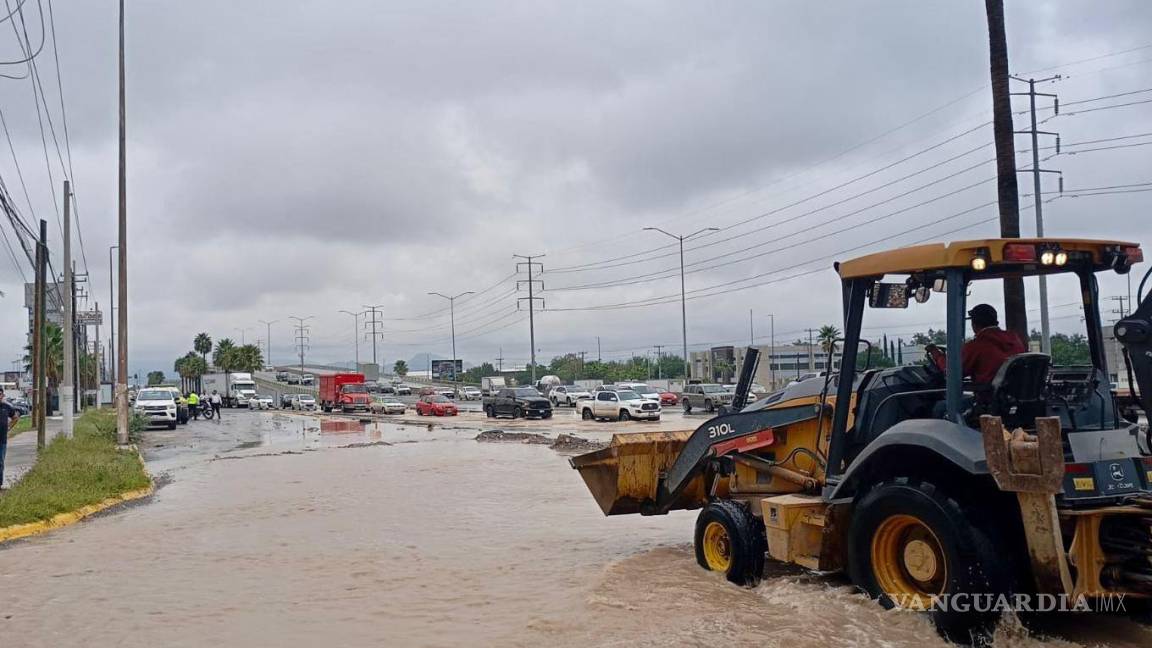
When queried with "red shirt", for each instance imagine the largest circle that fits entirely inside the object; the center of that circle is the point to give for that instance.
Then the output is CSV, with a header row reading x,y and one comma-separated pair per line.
x,y
983,355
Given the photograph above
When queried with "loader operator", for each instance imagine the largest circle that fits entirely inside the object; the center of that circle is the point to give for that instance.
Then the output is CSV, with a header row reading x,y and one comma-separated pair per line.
x,y
984,354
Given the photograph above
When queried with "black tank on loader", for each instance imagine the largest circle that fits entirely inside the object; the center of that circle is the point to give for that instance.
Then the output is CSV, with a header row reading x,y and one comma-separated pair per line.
x,y
927,489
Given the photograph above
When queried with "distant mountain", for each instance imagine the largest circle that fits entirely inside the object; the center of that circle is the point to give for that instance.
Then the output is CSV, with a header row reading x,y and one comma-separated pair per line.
x,y
423,361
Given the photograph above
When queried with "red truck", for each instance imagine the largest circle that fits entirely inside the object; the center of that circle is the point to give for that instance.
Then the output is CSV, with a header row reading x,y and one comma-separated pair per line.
x,y
344,391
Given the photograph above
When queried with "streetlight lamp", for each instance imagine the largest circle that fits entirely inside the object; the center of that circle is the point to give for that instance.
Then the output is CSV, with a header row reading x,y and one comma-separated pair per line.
x,y
355,334
683,298
452,316
268,340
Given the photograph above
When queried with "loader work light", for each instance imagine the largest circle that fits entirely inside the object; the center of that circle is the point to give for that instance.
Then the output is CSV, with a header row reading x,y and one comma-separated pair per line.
x,y
980,260
1047,257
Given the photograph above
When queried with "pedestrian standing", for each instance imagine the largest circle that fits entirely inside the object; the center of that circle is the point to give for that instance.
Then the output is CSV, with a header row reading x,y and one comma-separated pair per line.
x,y
194,405
8,418
216,402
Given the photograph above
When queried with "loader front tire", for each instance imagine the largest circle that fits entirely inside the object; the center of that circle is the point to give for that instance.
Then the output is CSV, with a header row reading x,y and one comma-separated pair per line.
x,y
910,541
731,540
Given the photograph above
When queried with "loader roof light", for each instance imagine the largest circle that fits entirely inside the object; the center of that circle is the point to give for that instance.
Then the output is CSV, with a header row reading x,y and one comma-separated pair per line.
x,y
1047,257
1061,257
1020,253
1135,255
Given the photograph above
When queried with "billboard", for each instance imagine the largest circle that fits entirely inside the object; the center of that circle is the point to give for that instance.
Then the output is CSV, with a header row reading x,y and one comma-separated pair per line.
x,y
89,318
447,369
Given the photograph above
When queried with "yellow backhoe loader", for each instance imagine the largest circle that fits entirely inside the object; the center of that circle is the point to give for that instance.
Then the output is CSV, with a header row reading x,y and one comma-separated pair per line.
x,y
923,486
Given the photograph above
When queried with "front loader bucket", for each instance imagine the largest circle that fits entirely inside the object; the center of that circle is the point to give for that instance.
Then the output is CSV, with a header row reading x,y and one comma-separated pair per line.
x,y
625,475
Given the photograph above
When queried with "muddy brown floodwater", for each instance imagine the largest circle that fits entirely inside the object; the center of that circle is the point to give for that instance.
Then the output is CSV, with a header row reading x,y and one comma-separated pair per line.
x,y
410,536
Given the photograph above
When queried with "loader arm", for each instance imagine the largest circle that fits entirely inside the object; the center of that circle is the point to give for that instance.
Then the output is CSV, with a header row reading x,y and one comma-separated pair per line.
x,y
1135,334
716,431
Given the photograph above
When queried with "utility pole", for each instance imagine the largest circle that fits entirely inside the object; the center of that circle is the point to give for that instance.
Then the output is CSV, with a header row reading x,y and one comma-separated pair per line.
x,y
751,330
500,360
452,316
683,293
375,321
1015,309
531,302
99,359
40,398
122,341
68,385
580,371
659,356
302,337
111,318
355,334
772,349
1038,202
599,358
811,355
268,340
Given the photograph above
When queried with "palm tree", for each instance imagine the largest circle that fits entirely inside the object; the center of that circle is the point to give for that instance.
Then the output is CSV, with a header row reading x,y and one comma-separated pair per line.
x,y
248,358
203,345
400,368
1015,310
827,337
223,357
53,340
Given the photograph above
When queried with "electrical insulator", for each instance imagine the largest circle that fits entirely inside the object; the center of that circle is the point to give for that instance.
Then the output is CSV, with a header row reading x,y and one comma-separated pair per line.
x,y
1056,104
1061,183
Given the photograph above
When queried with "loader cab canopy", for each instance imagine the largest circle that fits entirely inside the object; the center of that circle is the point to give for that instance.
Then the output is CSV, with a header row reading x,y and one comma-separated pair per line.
x,y
904,281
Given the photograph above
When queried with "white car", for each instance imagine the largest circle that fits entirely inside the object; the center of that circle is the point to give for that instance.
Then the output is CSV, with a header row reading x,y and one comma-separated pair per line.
x,y
470,393
303,403
643,389
387,405
567,395
307,379
620,405
447,392
403,390
260,401
158,405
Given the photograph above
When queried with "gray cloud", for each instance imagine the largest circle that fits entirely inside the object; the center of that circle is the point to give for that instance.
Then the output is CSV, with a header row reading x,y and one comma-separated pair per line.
x,y
300,158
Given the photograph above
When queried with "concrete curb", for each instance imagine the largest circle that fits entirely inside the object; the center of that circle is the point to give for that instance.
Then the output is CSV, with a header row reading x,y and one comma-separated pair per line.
x,y
68,518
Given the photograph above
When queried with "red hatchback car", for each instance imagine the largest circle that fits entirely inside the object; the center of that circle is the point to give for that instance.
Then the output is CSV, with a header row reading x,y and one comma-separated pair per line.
x,y
435,405
668,398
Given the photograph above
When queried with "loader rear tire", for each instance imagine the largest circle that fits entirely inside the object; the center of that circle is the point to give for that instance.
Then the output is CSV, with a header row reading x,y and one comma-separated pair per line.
x,y
731,540
910,540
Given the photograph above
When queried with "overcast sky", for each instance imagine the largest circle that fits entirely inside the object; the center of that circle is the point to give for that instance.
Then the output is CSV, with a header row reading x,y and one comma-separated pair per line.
x,y
299,158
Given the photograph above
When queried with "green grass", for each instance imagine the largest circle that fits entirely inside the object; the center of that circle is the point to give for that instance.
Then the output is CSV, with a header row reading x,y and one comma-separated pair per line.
x,y
76,472
23,425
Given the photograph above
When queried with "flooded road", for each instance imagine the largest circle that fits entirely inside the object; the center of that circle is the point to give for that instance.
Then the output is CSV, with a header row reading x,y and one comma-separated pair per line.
x,y
279,530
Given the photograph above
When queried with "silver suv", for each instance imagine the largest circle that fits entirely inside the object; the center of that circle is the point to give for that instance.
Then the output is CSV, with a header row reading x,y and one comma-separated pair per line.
x,y
707,396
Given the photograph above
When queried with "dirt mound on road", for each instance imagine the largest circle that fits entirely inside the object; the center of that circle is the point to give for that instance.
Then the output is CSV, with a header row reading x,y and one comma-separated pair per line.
x,y
562,443
500,436
568,443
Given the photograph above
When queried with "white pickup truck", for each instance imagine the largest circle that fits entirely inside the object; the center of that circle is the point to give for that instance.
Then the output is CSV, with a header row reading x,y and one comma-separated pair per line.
x,y
620,405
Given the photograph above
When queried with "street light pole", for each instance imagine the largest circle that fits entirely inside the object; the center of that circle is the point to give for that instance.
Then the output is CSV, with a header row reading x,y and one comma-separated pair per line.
x,y
356,334
122,226
243,339
683,293
452,319
268,341
111,318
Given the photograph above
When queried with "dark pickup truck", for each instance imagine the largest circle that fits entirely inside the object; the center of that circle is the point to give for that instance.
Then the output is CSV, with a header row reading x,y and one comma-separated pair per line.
x,y
517,402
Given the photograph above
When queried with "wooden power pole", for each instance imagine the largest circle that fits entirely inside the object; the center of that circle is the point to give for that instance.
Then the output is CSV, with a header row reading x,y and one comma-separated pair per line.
x,y
122,341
